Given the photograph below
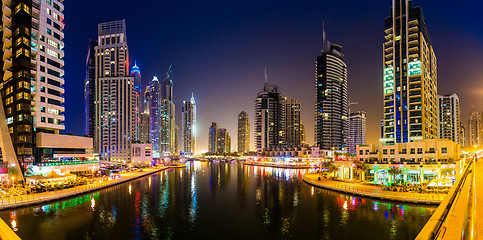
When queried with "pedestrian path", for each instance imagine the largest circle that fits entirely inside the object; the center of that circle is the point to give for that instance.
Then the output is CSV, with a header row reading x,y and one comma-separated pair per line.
x,y
373,191
37,198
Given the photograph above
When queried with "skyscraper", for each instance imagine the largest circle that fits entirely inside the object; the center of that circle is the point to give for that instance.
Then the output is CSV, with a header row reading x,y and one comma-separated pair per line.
x,y
213,138
357,130
154,115
145,120
449,118
223,143
32,73
269,118
243,132
167,117
475,129
292,122
114,94
90,91
302,134
410,78
137,99
331,107
188,126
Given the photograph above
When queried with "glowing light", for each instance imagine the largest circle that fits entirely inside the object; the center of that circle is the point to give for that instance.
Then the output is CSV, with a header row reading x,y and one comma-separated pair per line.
x,y
129,189
345,205
93,203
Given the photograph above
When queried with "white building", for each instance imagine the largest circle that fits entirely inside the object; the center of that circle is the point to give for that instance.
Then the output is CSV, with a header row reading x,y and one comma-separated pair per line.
x,y
357,130
188,126
142,153
114,94
449,118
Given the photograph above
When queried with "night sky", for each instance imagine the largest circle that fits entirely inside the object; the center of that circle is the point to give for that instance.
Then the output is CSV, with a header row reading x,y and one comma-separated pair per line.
x,y
219,50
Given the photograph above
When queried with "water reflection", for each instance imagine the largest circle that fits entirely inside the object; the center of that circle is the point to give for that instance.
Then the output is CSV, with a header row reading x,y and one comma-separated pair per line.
x,y
219,200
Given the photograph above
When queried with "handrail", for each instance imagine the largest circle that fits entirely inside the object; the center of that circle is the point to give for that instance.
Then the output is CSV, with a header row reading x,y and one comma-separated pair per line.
x,y
6,232
434,227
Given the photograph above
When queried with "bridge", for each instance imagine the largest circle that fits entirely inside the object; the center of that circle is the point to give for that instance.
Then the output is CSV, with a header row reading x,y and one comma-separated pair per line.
x,y
460,215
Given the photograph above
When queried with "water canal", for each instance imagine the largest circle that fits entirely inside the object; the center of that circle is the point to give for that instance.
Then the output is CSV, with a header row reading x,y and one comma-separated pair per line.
x,y
219,201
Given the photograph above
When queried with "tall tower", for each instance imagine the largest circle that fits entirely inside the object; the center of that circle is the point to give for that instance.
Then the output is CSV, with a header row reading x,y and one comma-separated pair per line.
x,y
357,130
331,107
243,133
410,78
154,115
90,91
292,123
114,95
137,98
145,124
188,126
223,143
32,73
213,138
449,118
167,117
269,118
475,129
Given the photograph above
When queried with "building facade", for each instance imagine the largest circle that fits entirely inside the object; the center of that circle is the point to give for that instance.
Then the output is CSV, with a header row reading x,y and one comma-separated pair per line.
x,y
90,91
154,115
292,122
243,132
32,73
409,77
449,117
357,130
145,119
114,94
167,118
137,99
331,106
475,129
223,143
302,134
213,138
269,118
188,126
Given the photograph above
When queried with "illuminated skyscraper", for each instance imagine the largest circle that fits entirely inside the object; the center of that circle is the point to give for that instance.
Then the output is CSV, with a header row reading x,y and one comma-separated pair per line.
x,y
114,94
213,138
90,90
223,143
449,117
357,131
145,124
269,118
137,98
292,122
409,77
302,134
154,115
243,132
331,107
188,126
475,129
167,117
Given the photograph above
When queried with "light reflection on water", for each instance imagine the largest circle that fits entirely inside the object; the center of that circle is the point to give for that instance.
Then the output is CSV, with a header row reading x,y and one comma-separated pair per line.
x,y
248,201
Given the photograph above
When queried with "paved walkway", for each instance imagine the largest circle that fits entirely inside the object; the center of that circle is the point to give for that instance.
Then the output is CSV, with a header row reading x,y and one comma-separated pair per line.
x,y
38,198
373,191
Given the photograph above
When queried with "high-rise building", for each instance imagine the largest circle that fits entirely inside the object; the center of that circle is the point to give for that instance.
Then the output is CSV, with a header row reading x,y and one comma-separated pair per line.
x,y
223,143
410,77
449,118
475,129
188,126
292,123
269,118
167,117
331,107
114,94
90,90
357,130
213,138
32,73
137,99
154,115
243,132
145,120
462,135
302,134
176,140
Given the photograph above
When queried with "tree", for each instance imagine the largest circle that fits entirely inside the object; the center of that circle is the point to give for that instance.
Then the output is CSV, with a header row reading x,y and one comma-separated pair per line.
x,y
331,168
394,171
70,133
363,168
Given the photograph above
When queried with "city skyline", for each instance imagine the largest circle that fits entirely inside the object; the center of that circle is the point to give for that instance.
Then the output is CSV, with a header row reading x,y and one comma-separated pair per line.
x,y
281,32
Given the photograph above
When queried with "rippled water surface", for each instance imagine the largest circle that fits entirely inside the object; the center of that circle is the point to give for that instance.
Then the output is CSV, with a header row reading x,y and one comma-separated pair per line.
x,y
219,201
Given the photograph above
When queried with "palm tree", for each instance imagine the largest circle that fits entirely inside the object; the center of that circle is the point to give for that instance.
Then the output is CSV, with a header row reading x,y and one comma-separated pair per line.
x,y
363,168
394,171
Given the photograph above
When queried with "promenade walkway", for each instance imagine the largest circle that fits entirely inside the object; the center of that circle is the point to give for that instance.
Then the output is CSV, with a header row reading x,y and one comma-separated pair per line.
x,y
373,191
38,198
